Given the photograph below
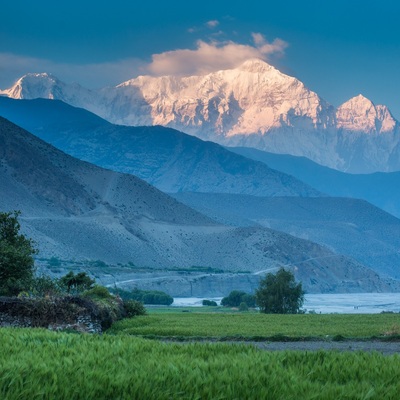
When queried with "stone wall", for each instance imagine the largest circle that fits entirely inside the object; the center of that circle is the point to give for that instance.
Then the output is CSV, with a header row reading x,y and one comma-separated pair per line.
x,y
68,313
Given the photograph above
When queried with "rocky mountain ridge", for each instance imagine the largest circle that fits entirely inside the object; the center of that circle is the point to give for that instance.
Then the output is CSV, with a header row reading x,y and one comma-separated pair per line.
x,y
380,188
77,211
253,105
170,160
348,226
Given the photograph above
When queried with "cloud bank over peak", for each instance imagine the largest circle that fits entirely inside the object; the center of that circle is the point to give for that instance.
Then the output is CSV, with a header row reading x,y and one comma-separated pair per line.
x,y
213,56
207,56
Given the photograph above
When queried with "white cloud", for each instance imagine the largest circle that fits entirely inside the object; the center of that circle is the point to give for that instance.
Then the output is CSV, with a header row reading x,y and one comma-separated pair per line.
x,y
278,46
212,24
213,56
206,57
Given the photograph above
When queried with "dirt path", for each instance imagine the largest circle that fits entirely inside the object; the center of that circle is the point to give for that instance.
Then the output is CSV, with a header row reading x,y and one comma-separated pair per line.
x,y
381,347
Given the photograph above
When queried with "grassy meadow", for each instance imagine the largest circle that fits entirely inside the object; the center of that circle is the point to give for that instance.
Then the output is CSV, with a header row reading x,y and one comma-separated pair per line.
x,y
255,326
38,364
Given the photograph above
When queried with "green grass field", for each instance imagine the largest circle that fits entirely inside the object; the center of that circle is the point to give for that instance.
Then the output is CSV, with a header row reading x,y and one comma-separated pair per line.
x,y
37,364
253,325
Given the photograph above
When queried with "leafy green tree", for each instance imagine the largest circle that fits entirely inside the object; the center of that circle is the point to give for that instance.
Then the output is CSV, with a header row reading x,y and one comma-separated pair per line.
x,y
145,296
249,299
280,294
134,308
77,283
210,303
236,297
16,256
45,286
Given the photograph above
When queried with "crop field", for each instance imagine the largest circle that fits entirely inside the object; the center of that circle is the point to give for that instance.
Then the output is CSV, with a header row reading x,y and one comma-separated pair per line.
x,y
256,325
37,364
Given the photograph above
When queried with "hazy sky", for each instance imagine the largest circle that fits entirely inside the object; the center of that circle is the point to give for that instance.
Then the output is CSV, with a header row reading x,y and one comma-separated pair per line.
x,y
338,49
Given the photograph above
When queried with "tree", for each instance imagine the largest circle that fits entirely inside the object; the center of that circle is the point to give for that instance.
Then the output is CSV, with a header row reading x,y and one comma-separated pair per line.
x,y
209,303
145,296
279,294
77,283
16,256
236,297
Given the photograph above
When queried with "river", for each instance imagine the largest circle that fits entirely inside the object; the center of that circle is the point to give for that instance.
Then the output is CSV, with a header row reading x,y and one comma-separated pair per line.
x,y
342,303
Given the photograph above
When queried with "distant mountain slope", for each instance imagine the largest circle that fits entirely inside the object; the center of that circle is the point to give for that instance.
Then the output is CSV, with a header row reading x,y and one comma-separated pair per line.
x,y
252,105
75,210
348,226
170,160
381,189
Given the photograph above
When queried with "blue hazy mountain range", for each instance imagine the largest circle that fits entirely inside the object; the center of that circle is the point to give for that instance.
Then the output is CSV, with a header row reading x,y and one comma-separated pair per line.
x,y
381,188
177,162
75,210
348,226
166,158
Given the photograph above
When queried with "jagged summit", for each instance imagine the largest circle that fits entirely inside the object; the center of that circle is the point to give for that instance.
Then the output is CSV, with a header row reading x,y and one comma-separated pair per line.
x,y
253,105
360,114
33,85
256,65
358,101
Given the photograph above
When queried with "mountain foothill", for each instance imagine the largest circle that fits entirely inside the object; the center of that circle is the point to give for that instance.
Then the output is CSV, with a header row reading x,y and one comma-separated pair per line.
x,y
137,174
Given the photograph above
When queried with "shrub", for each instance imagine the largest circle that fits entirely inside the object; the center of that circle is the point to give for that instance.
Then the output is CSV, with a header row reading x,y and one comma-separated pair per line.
x,y
236,297
111,307
145,296
98,292
44,285
134,308
76,283
243,306
249,300
210,303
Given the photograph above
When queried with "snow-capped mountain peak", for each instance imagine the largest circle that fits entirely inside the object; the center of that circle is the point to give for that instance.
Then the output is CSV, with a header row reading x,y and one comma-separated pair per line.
x,y
359,114
33,85
256,65
253,105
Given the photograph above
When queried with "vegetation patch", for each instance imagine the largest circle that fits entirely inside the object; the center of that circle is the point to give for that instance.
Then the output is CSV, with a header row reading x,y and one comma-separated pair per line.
x,y
145,296
42,312
237,297
266,326
209,303
42,364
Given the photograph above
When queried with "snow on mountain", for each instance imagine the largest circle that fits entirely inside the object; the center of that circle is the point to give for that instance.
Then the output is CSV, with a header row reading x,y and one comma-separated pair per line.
x,y
47,86
251,99
253,105
359,114
33,86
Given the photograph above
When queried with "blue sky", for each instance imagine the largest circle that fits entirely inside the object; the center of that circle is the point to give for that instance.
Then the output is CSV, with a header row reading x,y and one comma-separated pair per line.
x,y
338,49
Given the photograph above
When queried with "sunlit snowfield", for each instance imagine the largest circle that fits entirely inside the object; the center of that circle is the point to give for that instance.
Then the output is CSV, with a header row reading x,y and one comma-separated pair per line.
x,y
354,303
